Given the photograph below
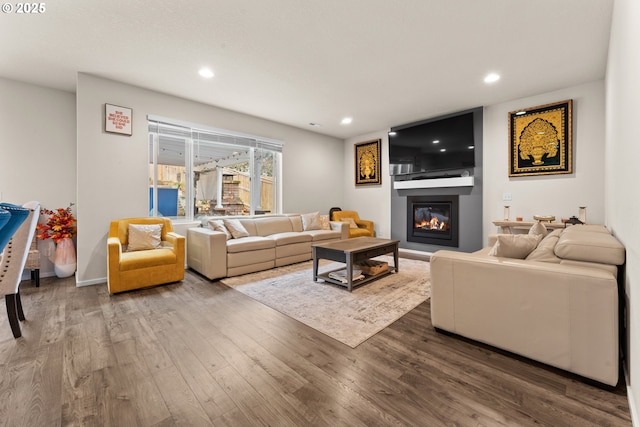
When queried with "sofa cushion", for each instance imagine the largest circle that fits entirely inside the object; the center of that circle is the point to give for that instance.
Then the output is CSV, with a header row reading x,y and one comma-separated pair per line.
x,y
236,228
145,259
544,251
273,225
251,243
249,225
590,246
587,227
296,222
143,237
289,238
320,235
514,245
359,232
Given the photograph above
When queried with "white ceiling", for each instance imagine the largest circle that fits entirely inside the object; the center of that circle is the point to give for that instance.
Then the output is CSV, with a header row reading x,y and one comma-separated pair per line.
x,y
382,62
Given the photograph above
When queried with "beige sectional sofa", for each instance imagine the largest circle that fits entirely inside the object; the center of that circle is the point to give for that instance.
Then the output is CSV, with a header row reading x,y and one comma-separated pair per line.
x,y
245,244
558,305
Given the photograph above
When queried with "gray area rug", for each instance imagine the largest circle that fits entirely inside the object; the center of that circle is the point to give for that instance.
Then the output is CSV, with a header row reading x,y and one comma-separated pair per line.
x,y
349,317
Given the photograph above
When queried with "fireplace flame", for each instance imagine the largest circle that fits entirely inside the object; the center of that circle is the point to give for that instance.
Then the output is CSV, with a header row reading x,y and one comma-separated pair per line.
x,y
433,224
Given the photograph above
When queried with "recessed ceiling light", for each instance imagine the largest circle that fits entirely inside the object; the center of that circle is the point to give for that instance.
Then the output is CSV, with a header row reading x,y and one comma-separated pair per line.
x,y
491,78
442,150
471,147
436,141
346,120
206,73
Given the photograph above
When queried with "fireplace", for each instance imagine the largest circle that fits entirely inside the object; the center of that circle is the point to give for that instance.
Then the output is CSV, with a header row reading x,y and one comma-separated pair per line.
x,y
433,220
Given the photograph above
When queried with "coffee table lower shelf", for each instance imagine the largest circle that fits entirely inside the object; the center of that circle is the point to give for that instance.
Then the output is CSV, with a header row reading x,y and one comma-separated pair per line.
x,y
356,283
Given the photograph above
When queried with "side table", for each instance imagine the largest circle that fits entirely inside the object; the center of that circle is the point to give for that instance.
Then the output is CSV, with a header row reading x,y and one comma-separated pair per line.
x,y
515,227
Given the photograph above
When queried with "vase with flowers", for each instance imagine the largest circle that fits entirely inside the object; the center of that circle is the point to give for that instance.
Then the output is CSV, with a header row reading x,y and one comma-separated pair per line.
x,y
60,227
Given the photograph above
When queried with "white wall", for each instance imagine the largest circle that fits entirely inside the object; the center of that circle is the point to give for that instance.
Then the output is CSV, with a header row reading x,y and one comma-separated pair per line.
x,y
558,195
112,169
622,153
372,202
37,149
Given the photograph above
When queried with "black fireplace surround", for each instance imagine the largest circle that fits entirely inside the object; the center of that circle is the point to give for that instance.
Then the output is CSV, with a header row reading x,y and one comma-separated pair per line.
x,y
433,220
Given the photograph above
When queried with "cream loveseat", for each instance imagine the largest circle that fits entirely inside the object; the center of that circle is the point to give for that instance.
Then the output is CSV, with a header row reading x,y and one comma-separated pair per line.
x,y
558,305
230,246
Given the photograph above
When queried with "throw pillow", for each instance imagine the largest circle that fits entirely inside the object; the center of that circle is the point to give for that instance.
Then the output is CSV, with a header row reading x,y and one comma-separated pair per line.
x,y
544,251
311,221
538,229
324,220
143,237
236,228
514,245
350,221
218,225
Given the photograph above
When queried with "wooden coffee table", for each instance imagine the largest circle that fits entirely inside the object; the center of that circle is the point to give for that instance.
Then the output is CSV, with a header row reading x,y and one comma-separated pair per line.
x,y
351,252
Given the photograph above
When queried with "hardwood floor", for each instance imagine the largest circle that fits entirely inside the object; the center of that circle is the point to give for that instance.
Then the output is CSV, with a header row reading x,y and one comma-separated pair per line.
x,y
201,354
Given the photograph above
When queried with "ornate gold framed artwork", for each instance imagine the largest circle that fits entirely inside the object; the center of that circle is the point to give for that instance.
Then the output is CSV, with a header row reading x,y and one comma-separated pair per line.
x,y
367,156
540,140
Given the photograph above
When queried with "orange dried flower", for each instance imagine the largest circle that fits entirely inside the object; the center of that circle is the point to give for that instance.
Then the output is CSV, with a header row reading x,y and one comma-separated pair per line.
x,y
60,224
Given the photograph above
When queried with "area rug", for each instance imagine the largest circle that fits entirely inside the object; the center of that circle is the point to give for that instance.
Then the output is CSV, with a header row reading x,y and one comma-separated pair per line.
x,y
349,317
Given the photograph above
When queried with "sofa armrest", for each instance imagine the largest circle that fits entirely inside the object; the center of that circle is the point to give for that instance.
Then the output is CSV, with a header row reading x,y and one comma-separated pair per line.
x,y
562,315
343,227
177,242
207,252
363,223
114,252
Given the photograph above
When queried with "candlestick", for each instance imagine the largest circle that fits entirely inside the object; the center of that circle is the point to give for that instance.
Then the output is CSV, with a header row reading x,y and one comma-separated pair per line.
x,y
582,214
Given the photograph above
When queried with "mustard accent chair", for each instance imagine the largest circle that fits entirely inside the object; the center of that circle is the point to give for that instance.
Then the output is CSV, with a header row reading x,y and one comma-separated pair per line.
x,y
140,269
365,227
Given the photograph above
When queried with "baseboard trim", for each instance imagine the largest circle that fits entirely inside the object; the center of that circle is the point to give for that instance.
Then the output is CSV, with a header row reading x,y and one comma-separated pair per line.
x,y
81,283
413,254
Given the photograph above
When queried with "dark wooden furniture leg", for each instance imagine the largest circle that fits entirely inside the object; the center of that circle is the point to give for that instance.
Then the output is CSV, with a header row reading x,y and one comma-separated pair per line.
x,y
315,265
35,275
19,306
12,314
395,258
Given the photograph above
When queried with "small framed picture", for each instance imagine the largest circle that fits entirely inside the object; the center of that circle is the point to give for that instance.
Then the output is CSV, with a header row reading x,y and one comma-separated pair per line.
x,y
117,119
367,163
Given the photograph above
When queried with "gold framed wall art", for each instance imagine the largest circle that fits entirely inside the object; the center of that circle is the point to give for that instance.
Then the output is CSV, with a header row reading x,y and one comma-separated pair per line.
x,y
540,140
367,159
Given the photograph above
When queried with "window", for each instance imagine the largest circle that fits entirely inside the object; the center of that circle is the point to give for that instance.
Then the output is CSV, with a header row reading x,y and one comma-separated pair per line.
x,y
196,171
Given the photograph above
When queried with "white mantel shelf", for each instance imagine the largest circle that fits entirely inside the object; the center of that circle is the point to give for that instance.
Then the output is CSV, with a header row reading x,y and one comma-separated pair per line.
x,y
459,181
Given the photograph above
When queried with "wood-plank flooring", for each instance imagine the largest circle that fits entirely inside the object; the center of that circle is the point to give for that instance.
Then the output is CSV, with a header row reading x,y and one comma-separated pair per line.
x,y
200,354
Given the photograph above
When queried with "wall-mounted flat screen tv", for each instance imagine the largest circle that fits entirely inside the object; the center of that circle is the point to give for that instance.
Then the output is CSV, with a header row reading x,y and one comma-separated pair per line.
x,y
433,145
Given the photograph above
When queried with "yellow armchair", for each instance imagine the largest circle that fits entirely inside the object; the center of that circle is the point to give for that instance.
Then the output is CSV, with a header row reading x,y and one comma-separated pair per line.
x,y
129,270
363,227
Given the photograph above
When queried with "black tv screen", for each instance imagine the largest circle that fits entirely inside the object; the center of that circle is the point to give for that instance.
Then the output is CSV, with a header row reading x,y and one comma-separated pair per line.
x,y
433,145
